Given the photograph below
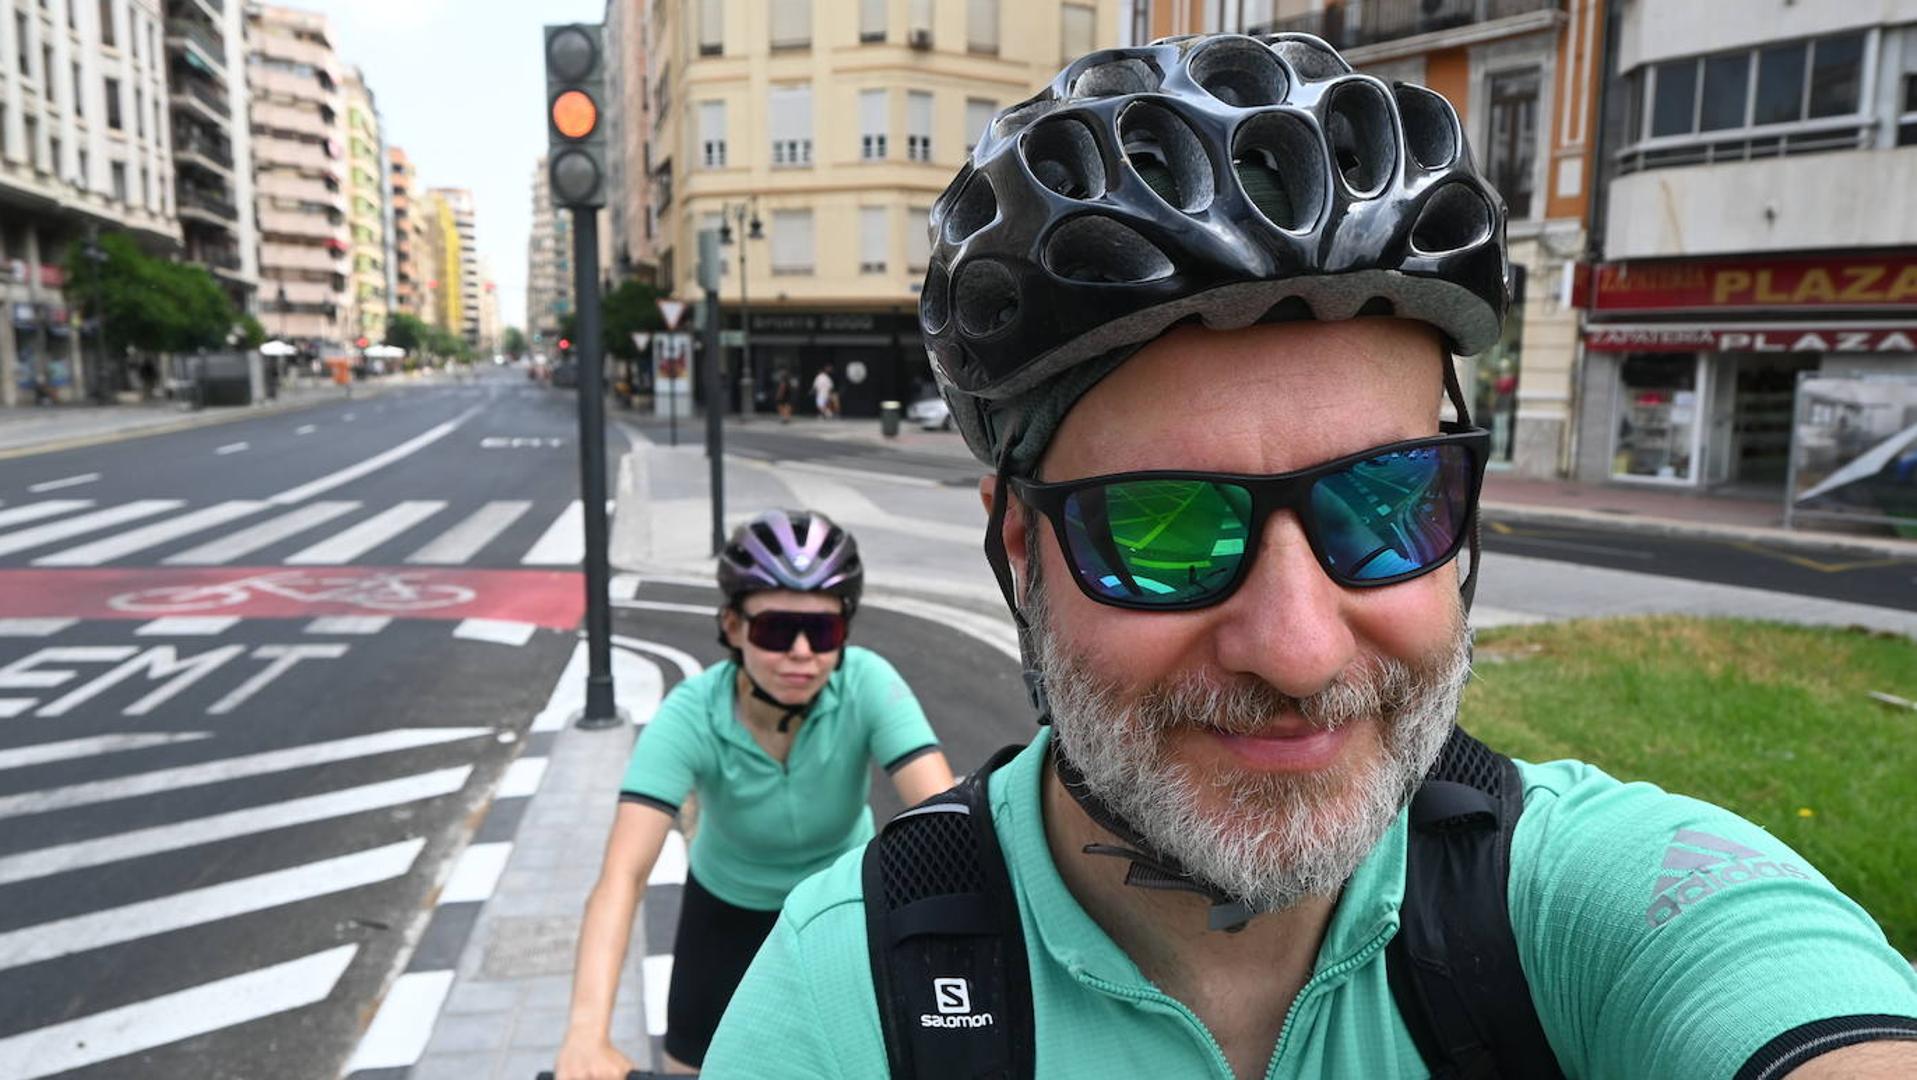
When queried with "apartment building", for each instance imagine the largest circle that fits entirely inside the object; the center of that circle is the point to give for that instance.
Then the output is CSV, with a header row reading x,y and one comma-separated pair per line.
x,y
548,263
297,115
84,147
407,233
367,206
1757,233
628,240
458,259
822,132
213,143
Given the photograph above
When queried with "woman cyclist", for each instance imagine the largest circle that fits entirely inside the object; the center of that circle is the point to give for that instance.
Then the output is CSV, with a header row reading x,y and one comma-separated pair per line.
x,y
775,743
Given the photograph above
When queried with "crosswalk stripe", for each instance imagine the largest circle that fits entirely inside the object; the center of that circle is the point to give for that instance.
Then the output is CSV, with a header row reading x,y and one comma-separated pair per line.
x,y
404,1024
564,541
92,746
188,626
227,548
156,839
521,778
656,971
183,1014
233,768
197,907
36,628
497,631
151,536
41,535
464,540
351,543
349,625
476,874
45,508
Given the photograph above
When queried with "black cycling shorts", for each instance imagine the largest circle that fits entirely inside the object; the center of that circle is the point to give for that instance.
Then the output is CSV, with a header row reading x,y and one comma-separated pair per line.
x,y
715,944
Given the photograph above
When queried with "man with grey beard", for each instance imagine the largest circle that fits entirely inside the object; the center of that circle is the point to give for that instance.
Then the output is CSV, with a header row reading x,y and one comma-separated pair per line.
x,y
1195,305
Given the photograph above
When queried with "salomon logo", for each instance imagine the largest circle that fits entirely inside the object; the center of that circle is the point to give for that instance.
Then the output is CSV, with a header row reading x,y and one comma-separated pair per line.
x,y
1698,864
954,1000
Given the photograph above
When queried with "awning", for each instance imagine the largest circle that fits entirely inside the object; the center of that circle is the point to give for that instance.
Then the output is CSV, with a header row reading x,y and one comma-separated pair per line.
x,y
1811,337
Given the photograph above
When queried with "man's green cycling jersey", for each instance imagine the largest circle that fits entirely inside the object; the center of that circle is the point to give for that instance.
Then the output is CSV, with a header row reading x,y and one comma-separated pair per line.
x,y
766,826
1661,936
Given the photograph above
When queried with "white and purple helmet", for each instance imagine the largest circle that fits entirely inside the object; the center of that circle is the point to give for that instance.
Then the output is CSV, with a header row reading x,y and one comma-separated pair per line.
x,y
800,550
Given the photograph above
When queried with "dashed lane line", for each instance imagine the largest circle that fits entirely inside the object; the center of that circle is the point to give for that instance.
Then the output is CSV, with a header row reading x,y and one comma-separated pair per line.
x,y
372,464
65,482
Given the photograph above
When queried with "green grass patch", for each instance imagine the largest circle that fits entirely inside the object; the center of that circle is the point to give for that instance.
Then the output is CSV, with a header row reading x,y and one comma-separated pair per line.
x,y
1771,721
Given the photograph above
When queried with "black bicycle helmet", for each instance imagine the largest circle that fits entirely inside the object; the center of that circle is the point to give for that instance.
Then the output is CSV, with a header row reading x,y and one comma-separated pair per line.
x,y
1224,178
800,550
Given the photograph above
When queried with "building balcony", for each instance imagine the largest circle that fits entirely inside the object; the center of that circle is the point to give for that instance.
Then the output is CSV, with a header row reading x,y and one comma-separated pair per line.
x,y
1363,23
1807,202
206,205
276,257
270,152
203,154
204,40
200,97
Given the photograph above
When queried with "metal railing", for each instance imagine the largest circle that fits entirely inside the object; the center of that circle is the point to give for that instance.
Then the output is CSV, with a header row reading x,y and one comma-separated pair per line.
x,y
1371,22
205,148
1754,144
212,44
213,204
213,97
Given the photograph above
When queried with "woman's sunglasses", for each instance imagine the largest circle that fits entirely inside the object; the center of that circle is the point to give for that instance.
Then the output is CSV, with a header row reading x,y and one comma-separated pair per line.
x,y
778,631
1171,541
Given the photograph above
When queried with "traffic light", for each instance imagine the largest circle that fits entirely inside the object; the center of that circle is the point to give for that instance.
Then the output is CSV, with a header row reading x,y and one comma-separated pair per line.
x,y
565,345
575,114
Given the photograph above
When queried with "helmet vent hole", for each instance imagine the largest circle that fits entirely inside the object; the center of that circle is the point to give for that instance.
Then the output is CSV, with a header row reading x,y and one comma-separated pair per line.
x,y
1290,309
1114,77
1064,157
1455,217
1238,71
1309,56
1014,119
1279,162
1376,308
1103,251
1363,139
1165,153
1430,129
976,207
987,298
934,299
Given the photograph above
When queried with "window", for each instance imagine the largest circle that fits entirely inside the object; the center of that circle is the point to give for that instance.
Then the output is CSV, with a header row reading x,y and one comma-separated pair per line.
x,y
791,23
919,14
712,27
106,22
873,238
1837,65
1907,124
1514,138
871,20
1726,92
53,154
85,176
918,238
1674,112
872,125
113,105
79,95
790,118
119,181
792,241
918,126
1780,84
1076,26
978,117
981,26
139,112
20,42
712,134
1794,82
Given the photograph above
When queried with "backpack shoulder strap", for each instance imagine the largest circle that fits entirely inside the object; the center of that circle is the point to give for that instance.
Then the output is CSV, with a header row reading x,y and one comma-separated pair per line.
x,y
1453,965
947,949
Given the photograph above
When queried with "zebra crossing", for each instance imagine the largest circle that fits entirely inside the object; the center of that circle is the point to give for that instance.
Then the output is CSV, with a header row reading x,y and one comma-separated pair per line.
x,y
77,533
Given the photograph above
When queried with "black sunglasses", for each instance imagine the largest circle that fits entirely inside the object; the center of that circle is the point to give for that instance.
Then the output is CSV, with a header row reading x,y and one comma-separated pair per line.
x,y
778,631
1172,541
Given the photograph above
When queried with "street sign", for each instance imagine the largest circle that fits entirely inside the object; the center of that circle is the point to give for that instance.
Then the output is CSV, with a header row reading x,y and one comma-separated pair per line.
x,y
640,340
672,311
732,339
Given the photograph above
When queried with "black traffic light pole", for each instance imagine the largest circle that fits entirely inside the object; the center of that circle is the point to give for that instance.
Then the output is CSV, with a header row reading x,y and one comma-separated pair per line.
x,y
714,385
601,710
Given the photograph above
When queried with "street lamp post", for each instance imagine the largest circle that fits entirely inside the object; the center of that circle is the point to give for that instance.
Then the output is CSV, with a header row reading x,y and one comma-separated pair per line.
x,y
747,214
95,257
280,361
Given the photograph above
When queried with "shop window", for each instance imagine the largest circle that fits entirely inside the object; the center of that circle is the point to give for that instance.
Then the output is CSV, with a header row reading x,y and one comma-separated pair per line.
x,y
1658,417
1514,138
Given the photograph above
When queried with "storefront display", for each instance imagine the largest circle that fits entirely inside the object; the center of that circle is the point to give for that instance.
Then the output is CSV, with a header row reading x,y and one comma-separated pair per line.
x,y
1657,422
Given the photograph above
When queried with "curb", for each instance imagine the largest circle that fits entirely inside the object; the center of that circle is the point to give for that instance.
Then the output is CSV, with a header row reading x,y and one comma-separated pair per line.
x,y
1528,513
187,423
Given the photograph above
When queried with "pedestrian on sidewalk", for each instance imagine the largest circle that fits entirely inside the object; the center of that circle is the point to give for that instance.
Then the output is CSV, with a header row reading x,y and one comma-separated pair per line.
x,y
824,397
785,389
775,744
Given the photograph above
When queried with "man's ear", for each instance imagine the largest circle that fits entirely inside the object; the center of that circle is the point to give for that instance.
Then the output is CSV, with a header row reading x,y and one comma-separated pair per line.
x,y
1012,530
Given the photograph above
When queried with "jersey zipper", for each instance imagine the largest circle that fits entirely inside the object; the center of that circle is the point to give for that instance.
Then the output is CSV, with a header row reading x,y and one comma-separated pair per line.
x,y
1315,983
1218,1058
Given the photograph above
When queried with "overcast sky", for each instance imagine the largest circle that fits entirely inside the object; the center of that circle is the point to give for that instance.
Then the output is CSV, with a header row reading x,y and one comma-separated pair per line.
x,y
461,88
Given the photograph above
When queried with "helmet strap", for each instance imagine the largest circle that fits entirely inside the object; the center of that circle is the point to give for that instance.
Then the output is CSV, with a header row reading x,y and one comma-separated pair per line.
x,y
1001,563
789,713
1456,394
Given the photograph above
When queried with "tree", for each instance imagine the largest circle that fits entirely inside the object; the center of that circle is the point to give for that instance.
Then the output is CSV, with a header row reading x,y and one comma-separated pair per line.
x,y
515,342
631,308
252,334
148,303
407,332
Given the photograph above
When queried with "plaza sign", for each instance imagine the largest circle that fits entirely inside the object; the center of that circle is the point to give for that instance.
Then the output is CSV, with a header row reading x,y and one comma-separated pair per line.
x,y
1756,339
1847,282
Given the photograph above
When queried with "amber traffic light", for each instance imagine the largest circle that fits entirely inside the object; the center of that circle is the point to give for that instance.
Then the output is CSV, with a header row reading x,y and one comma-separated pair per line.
x,y
574,115
576,143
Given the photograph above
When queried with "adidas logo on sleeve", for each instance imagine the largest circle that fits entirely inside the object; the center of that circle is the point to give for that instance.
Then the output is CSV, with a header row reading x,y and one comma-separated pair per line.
x,y
1698,864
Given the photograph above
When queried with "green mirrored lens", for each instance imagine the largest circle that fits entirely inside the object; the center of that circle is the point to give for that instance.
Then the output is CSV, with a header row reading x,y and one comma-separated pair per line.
x,y
1158,541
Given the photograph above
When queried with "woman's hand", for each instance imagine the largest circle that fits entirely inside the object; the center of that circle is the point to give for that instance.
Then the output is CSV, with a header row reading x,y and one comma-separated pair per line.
x,y
591,1059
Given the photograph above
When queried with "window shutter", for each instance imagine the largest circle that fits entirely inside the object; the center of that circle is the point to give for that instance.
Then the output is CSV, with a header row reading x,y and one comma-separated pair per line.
x,y
872,20
872,239
872,123
1075,30
981,25
712,30
791,241
791,22
918,237
918,125
978,116
790,117
712,133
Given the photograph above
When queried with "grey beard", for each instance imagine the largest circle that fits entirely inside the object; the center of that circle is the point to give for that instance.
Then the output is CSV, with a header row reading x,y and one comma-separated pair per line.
x,y
1267,839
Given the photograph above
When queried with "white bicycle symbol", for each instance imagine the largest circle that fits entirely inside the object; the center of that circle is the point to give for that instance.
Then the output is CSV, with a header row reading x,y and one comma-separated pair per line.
x,y
381,592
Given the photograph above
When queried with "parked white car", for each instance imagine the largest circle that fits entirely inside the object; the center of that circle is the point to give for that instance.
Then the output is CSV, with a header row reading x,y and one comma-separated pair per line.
x,y
931,413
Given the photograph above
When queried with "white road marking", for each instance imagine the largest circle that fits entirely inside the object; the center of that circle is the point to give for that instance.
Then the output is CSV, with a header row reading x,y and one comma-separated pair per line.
x,y
38,628
463,541
623,586
92,746
848,505
854,474
399,1033
995,631
188,626
159,663
45,508
667,605
497,631
350,417
41,535
564,541
670,867
637,679
150,536
688,665
267,533
197,907
657,973
232,448
349,625
351,543
11,707
476,874
283,659
372,464
521,779
169,1018
81,854
56,485
305,429
233,768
